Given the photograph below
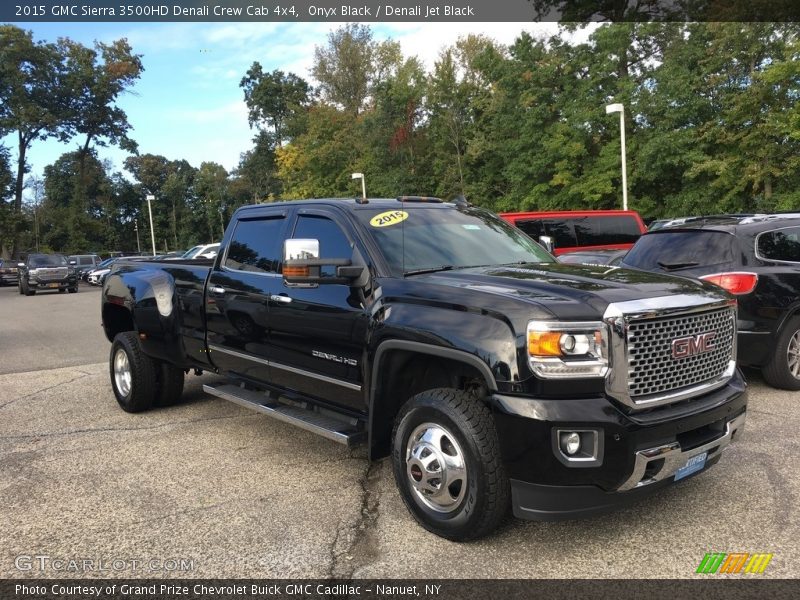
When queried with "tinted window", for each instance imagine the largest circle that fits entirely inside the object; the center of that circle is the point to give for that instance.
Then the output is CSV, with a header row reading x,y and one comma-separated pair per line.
x,y
783,244
601,231
680,250
256,246
561,230
333,243
426,238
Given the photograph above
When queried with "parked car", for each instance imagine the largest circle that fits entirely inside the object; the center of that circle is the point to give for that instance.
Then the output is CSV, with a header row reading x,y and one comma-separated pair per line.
x,y
9,272
594,257
437,334
45,272
85,263
97,275
198,252
572,230
755,258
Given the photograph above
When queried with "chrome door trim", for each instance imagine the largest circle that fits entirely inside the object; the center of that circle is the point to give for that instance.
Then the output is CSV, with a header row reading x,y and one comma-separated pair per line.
x,y
262,361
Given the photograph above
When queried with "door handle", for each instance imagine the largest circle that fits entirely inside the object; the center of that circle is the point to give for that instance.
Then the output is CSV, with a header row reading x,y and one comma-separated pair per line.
x,y
280,298
215,289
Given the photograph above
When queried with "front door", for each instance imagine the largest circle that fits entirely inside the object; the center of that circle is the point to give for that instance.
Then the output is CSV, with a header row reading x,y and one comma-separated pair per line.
x,y
318,333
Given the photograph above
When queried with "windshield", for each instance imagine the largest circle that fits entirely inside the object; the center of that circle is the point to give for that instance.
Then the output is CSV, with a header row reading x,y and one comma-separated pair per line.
x,y
47,260
417,238
192,251
106,263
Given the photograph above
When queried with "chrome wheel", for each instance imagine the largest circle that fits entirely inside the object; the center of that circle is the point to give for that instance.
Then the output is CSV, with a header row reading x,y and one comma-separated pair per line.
x,y
793,355
435,467
122,372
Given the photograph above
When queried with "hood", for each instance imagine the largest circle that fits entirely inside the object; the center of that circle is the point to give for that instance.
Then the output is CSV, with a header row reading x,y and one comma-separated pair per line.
x,y
570,292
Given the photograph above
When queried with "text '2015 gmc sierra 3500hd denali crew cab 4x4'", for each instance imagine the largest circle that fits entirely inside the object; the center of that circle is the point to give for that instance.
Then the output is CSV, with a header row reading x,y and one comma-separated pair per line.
x,y
443,337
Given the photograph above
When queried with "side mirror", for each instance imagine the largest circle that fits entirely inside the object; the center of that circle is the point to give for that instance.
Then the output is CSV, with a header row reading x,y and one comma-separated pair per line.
x,y
21,265
302,265
547,242
72,263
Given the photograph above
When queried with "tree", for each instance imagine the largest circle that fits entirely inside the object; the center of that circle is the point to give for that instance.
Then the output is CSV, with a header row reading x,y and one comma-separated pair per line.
x,y
213,196
274,100
34,102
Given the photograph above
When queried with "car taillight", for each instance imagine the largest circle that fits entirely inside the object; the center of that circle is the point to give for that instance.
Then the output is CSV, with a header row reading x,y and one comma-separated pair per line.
x,y
736,282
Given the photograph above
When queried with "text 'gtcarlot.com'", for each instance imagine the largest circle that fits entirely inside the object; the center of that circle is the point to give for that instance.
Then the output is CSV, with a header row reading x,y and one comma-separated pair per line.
x,y
42,563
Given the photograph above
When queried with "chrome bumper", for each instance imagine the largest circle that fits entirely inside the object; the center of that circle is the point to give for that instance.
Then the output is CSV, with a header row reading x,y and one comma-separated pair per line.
x,y
674,458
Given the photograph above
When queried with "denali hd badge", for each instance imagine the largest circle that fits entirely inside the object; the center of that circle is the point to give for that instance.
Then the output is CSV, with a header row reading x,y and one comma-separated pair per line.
x,y
693,345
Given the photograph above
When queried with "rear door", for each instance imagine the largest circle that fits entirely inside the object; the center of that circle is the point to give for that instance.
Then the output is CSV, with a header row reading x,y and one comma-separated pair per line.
x,y
237,297
318,332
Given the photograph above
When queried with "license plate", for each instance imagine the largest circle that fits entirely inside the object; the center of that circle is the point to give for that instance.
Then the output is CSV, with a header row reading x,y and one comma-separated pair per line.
x,y
53,285
693,465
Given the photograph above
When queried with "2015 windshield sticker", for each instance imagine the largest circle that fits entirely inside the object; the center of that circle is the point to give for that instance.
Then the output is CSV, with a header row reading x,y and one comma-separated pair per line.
x,y
391,217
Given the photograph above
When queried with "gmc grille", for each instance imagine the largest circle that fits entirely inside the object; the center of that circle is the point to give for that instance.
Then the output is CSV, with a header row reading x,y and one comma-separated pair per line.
x,y
652,370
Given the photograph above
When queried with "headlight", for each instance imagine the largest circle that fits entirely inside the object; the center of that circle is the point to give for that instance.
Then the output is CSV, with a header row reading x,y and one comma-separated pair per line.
x,y
559,350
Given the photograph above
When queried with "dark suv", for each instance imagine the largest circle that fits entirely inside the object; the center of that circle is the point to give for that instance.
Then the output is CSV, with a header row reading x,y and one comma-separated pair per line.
x,y
756,258
47,271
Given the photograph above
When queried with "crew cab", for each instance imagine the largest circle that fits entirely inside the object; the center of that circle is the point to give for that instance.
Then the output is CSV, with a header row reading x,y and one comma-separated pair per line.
x,y
437,334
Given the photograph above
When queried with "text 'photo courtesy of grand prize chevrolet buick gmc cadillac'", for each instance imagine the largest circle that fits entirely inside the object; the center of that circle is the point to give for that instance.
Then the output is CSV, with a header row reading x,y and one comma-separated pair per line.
x,y
442,337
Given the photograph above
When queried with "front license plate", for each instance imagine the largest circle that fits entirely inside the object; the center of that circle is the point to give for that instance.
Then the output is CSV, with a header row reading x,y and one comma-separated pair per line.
x,y
693,465
53,285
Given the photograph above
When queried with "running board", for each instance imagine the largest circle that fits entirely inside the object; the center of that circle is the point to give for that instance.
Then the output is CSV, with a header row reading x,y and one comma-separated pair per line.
x,y
327,427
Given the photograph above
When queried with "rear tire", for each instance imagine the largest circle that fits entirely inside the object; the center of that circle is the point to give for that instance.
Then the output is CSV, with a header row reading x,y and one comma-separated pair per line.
x,y
73,290
783,369
447,465
134,377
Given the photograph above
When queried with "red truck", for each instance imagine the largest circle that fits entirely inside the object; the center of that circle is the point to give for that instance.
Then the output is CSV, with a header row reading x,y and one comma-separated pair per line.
x,y
564,231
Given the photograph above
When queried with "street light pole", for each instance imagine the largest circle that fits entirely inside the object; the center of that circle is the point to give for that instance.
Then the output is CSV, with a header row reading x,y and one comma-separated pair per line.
x,y
363,184
612,108
136,229
152,231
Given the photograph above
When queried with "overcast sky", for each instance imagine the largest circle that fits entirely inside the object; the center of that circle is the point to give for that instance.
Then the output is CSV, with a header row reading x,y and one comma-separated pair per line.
x,y
188,103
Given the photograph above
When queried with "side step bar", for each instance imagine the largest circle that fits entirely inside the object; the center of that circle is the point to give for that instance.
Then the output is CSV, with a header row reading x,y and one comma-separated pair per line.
x,y
326,426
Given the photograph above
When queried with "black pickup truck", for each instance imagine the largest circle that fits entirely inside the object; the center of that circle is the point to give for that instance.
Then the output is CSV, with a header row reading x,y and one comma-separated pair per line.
x,y
441,336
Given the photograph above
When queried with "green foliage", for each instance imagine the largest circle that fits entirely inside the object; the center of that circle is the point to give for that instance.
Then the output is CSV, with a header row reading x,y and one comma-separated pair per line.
x,y
711,115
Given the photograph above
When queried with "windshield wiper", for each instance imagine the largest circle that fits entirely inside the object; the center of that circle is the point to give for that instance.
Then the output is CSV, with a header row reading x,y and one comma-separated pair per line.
x,y
673,266
428,270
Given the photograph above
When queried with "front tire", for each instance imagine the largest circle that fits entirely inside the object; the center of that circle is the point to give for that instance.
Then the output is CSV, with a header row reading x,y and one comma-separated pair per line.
x,y
74,290
447,465
783,369
134,377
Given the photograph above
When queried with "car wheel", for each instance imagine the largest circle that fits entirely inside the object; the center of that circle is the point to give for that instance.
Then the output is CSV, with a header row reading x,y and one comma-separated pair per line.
x,y
73,290
28,291
61,290
133,373
170,382
19,287
446,460
783,369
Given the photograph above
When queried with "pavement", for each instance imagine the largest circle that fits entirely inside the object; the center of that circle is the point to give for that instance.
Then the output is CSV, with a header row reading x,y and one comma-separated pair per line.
x,y
206,488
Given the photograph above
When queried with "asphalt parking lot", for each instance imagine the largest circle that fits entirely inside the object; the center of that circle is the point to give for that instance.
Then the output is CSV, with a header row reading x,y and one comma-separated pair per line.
x,y
222,492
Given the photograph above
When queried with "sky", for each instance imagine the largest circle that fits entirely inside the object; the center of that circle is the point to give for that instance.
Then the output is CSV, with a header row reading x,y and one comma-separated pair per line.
x,y
188,103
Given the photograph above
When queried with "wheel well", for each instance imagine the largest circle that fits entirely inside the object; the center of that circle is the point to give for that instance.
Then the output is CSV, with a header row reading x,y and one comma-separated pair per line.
x,y
116,319
408,373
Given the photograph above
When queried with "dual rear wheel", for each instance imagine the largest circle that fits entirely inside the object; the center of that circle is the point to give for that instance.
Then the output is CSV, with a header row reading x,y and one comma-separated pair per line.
x,y
139,381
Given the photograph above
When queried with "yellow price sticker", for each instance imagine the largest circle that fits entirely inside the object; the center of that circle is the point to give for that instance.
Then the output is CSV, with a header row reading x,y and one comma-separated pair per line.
x,y
391,217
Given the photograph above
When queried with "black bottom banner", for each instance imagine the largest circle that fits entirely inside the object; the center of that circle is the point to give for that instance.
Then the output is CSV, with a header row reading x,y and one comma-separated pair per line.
x,y
439,589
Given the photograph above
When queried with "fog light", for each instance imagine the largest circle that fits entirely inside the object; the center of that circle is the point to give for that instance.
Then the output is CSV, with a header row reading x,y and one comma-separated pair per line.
x,y
570,443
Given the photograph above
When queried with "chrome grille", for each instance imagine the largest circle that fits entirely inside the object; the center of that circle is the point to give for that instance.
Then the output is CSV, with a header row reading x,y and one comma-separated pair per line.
x,y
56,274
651,368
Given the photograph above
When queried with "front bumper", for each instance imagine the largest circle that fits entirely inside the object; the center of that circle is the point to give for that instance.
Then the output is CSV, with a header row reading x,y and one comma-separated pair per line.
x,y
69,282
639,452
9,278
